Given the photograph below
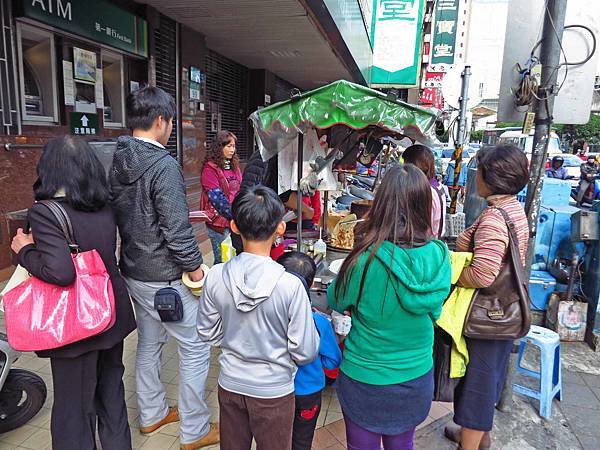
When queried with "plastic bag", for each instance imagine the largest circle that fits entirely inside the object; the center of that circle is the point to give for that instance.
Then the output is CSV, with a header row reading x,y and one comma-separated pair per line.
x,y
20,275
444,386
227,249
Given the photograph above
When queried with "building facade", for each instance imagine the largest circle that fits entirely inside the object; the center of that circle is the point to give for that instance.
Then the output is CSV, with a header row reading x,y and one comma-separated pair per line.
x,y
67,66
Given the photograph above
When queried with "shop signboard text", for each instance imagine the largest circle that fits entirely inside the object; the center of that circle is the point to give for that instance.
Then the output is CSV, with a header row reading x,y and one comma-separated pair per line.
x,y
93,19
443,48
396,39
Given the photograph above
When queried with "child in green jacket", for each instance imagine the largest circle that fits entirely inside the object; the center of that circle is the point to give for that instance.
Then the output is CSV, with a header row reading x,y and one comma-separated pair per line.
x,y
393,284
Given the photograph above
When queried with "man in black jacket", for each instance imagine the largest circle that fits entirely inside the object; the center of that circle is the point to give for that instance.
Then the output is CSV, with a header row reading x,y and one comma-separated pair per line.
x,y
158,245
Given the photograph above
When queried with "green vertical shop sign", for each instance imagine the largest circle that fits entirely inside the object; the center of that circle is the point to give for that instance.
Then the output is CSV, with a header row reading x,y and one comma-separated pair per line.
x,y
93,19
396,35
443,47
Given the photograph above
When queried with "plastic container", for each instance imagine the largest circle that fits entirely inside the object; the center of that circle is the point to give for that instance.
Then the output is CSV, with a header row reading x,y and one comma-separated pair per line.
x,y
541,286
341,323
556,192
320,247
554,234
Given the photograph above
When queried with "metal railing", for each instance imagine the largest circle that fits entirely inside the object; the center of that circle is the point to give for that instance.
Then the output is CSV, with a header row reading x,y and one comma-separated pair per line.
x,y
8,146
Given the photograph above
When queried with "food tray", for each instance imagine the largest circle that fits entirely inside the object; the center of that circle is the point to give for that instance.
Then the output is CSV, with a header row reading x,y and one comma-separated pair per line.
x,y
338,249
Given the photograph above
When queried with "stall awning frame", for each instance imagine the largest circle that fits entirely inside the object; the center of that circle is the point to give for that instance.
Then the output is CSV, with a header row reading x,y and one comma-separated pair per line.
x,y
340,103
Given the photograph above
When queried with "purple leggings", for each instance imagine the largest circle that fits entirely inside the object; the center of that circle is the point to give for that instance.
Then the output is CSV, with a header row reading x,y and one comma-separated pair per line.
x,y
360,439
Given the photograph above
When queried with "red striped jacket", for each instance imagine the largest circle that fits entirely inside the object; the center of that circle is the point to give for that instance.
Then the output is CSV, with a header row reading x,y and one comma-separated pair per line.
x,y
487,238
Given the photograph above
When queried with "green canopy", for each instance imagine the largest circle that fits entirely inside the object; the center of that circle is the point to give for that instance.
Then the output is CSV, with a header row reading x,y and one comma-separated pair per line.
x,y
340,103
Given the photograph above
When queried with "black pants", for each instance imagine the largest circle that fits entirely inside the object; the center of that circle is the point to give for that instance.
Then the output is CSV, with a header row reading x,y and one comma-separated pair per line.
x,y
584,186
87,388
307,412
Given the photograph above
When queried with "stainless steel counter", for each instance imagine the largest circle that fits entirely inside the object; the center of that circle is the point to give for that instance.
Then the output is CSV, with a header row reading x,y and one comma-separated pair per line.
x,y
318,294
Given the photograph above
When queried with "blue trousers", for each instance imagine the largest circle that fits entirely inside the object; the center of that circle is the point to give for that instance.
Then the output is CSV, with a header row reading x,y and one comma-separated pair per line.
x,y
215,239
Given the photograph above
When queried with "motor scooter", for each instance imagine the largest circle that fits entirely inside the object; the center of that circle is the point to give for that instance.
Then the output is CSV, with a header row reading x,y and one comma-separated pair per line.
x,y
595,187
22,393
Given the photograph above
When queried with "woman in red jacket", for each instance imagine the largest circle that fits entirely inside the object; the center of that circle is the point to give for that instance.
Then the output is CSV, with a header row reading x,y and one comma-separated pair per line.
x,y
311,209
221,178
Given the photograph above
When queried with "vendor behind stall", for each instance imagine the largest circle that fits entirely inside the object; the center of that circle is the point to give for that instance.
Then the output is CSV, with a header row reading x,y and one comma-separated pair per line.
x,y
311,209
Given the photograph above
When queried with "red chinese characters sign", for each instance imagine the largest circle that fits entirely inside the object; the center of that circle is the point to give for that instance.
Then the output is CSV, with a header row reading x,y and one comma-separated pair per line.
x,y
433,79
432,97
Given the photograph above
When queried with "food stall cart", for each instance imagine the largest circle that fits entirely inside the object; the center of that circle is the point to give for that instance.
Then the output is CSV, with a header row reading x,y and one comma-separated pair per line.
x,y
348,112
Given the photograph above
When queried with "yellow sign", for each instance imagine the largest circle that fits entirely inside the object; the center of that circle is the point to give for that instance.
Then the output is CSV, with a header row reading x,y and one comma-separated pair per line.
x,y
528,123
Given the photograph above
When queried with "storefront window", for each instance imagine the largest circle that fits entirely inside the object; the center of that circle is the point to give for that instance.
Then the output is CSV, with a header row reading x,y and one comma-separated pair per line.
x,y
112,76
37,69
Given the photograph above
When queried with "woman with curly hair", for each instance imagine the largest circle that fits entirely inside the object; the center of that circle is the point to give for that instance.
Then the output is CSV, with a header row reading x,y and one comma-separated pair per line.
x,y
221,178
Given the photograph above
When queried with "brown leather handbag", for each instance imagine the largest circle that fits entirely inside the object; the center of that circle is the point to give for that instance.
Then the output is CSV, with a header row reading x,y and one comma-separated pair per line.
x,y
501,311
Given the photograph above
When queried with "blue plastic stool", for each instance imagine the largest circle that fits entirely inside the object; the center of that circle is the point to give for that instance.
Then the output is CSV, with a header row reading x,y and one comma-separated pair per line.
x,y
550,374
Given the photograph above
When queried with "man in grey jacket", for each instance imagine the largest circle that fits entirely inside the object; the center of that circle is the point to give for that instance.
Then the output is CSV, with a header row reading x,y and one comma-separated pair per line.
x,y
261,318
148,196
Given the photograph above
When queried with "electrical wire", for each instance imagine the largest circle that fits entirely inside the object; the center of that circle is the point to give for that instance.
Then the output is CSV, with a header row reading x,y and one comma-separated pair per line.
x,y
526,92
452,128
566,64
529,88
592,52
580,284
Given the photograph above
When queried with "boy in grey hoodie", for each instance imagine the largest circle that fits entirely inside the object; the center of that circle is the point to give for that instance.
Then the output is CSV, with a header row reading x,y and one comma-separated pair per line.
x,y
261,318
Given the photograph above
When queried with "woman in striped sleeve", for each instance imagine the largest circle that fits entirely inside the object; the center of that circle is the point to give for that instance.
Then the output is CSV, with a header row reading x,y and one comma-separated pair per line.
x,y
502,172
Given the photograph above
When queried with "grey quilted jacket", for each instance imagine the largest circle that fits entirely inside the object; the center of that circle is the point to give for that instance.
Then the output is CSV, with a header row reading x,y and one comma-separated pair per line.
x,y
148,196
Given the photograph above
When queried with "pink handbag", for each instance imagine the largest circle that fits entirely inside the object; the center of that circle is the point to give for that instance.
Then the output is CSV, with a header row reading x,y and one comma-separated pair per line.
x,y
44,316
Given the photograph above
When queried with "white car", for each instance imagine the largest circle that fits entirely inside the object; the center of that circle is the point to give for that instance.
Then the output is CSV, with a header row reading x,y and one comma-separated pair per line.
x,y
468,153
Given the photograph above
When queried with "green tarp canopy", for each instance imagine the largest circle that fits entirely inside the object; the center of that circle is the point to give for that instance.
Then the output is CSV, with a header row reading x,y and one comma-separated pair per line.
x,y
340,103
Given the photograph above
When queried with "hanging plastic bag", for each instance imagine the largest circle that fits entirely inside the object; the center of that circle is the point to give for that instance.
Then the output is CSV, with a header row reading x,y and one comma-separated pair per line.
x,y
227,249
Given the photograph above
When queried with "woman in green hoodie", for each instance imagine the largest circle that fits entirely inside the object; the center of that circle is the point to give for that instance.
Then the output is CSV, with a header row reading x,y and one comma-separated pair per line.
x,y
393,284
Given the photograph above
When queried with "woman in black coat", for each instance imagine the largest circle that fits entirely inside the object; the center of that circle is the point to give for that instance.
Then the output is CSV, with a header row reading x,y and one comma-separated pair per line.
x,y
87,375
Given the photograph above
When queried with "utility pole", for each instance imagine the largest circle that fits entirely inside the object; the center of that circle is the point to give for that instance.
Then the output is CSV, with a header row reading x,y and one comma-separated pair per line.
x,y
462,135
554,22
550,50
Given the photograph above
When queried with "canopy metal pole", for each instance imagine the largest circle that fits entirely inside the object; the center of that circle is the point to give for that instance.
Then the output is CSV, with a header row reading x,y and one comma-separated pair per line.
x,y
325,201
298,193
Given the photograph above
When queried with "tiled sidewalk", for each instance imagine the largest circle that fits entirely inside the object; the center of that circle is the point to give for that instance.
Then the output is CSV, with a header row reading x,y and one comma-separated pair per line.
x,y
581,407
36,435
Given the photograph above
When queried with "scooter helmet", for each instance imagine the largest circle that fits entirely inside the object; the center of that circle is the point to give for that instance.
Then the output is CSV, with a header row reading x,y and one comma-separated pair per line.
x,y
558,159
